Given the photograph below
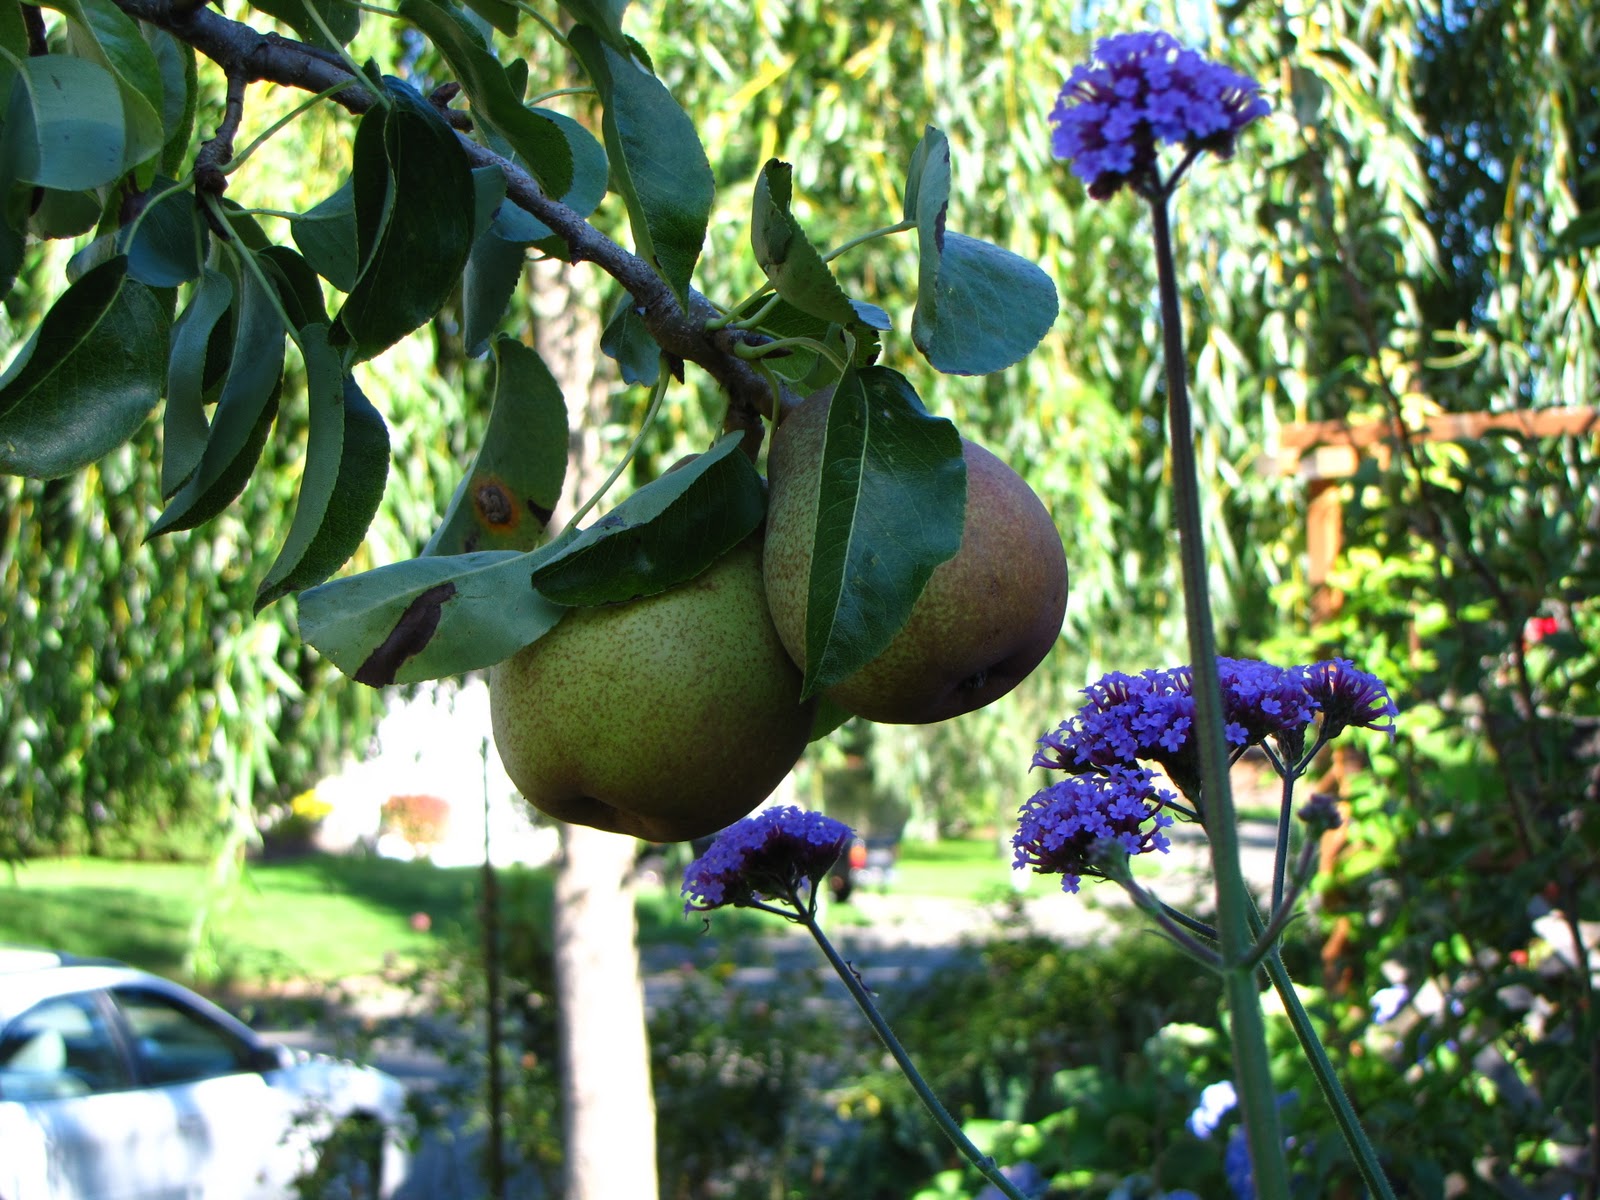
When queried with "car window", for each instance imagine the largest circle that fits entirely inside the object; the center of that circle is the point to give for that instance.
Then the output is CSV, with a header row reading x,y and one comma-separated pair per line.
x,y
174,1044
58,1049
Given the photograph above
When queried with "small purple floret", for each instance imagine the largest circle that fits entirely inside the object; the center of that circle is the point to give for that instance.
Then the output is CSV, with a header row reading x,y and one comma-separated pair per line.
x,y
1348,696
1063,828
770,856
1139,90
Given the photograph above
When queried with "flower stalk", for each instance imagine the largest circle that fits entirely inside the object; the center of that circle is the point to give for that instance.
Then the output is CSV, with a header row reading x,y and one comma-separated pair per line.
x,y
1247,1025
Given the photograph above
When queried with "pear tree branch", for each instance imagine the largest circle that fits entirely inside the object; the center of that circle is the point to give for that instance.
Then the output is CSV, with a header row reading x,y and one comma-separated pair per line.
x,y
248,55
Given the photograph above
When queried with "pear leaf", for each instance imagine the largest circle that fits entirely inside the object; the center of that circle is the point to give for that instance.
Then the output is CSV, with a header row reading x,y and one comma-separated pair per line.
x,y
664,534
414,203
65,128
169,245
426,618
604,16
627,340
891,501
657,162
184,428
980,308
246,408
791,262
347,464
87,379
537,140
506,500
326,235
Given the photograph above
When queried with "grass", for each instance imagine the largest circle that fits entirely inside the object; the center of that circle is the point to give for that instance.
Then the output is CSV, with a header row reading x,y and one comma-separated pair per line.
x,y
319,917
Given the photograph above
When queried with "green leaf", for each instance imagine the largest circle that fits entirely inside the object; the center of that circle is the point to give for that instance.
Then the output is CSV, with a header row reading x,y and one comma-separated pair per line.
x,y
326,235
627,340
890,509
792,264
342,19
68,214
184,426
657,161
426,618
87,379
980,308
603,16
14,40
500,13
65,128
245,411
12,244
347,464
506,499
493,269
100,31
168,246
931,158
537,141
665,533
413,222
297,284
180,91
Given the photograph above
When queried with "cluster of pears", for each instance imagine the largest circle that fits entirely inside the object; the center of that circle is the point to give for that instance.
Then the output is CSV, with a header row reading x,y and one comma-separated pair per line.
x,y
671,716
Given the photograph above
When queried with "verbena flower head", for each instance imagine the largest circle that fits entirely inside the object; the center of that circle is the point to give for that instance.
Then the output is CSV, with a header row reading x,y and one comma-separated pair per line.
x,y
1348,696
1140,90
1147,717
1063,828
768,856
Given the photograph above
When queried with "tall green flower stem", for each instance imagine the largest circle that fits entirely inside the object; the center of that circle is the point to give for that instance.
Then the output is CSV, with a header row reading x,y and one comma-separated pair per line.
x,y
1252,1069
1344,1113
941,1116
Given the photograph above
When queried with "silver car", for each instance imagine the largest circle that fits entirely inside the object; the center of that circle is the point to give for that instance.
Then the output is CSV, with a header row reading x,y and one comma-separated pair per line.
x,y
120,1085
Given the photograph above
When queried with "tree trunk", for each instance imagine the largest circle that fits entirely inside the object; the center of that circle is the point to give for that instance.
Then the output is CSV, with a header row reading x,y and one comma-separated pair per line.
x,y
609,1109
605,1057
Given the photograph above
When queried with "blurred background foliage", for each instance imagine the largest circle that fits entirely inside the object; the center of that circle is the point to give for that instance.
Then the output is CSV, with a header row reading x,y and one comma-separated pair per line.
x,y
1412,232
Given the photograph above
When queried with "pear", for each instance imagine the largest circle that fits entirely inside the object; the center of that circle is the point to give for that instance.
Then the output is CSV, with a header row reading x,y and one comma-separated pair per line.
x,y
666,717
987,616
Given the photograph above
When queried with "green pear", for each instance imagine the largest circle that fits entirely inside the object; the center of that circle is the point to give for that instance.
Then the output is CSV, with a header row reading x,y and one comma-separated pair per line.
x,y
987,616
666,717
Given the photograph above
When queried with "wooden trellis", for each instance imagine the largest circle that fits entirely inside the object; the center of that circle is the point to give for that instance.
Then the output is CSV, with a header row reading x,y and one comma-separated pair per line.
x,y
1325,453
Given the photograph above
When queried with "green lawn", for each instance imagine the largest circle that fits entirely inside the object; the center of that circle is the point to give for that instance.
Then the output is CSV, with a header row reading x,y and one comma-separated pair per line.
x,y
316,918
327,918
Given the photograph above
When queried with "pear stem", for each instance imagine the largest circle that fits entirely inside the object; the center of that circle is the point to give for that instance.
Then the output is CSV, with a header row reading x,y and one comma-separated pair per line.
x,y
656,394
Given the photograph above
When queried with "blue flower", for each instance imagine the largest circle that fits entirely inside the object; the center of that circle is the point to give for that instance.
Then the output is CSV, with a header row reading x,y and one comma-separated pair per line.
x,y
772,855
1023,1176
1387,1003
1129,718
1139,90
1348,696
1217,1100
1064,829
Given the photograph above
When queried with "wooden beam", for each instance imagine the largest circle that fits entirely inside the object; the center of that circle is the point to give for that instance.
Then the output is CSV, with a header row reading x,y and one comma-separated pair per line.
x,y
1445,427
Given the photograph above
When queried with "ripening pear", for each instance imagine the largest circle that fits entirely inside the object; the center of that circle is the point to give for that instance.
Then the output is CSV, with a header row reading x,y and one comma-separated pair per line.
x,y
666,717
987,616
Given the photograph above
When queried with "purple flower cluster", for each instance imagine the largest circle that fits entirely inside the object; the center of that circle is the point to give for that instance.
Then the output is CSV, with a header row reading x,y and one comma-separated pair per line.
x,y
1147,717
1065,828
1129,718
1140,90
767,856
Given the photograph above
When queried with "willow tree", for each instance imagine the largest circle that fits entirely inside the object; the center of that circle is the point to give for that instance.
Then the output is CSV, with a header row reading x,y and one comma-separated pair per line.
x,y
204,280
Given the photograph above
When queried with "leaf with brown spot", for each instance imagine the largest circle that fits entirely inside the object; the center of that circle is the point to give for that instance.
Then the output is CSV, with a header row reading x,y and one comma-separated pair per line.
x,y
426,618
506,499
